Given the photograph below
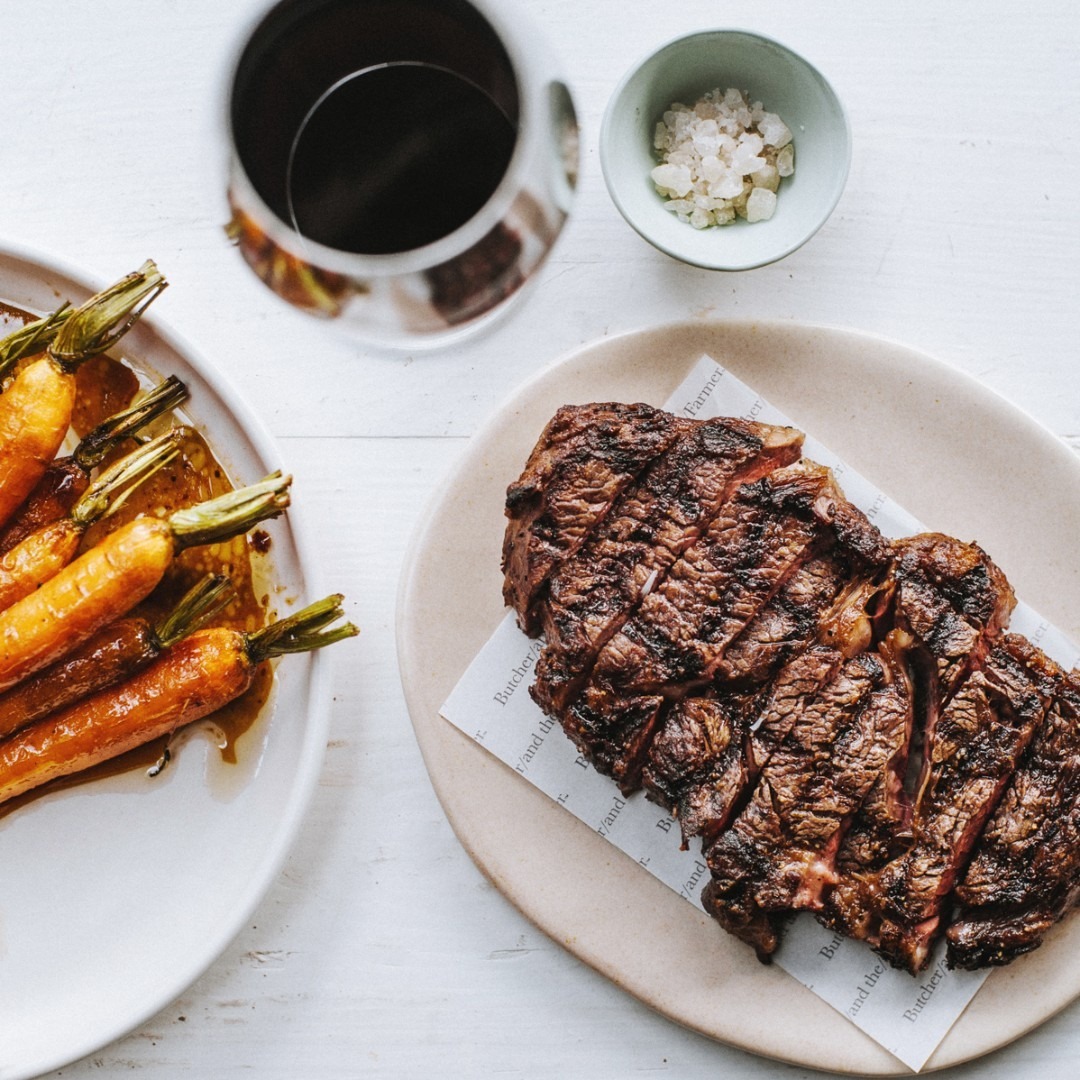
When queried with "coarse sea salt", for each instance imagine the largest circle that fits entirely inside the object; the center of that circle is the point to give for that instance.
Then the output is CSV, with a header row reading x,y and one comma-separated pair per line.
x,y
721,158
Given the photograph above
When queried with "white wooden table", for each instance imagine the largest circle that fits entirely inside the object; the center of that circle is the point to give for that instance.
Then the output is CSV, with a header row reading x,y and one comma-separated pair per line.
x,y
381,950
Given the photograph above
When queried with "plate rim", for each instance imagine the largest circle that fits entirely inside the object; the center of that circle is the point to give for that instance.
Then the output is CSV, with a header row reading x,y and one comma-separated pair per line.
x,y
418,708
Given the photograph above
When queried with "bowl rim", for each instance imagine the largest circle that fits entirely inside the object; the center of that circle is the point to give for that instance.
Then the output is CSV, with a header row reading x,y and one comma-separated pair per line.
x,y
729,265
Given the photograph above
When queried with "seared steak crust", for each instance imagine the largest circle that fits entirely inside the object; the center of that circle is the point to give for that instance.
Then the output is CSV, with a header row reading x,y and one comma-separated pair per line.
x,y
681,630
882,826
779,854
953,599
646,530
585,457
676,640
1025,872
949,604
975,747
841,720
698,764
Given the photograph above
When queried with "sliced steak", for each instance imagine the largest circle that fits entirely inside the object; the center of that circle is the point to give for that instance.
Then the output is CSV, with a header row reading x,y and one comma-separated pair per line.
x,y
709,752
954,601
699,763
779,854
950,602
674,643
972,752
591,594
1025,872
679,634
790,621
828,598
584,458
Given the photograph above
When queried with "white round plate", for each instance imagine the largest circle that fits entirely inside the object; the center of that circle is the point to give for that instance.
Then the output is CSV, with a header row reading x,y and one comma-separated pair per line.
x,y
116,895
959,457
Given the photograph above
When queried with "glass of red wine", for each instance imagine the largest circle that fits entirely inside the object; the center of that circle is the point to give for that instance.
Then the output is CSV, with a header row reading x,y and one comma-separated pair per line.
x,y
402,167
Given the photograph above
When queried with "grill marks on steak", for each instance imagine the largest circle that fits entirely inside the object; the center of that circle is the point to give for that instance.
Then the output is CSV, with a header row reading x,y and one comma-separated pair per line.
x,y
953,599
646,530
678,636
702,783
972,753
586,456
837,718
676,640
949,603
779,855
1025,872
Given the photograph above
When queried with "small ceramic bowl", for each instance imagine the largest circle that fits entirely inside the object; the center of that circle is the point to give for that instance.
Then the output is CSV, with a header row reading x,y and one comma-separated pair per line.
x,y
683,70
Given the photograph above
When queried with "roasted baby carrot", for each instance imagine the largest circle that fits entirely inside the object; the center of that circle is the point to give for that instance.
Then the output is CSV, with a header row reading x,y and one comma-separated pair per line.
x,y
67,478
47,550
194,678
115,652
109,579
36,408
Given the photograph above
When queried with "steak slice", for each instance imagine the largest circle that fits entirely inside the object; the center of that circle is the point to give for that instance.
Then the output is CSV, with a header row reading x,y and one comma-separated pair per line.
x,y
882,826
971,755
1025,872
591,594
954,601
687,769
699,763
950,602
790,621
584,458
778,856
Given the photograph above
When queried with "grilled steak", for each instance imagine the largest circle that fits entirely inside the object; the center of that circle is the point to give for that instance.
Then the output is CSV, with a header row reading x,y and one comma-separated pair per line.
x,y
676,641
779,854
841,720
647,529
972,752
954,601
699,763
1025,873
949,604
705,788
821,600
678,635
585,457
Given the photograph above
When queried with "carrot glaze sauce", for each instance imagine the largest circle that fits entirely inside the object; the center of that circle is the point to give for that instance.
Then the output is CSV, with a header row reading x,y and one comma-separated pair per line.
x,y
104,387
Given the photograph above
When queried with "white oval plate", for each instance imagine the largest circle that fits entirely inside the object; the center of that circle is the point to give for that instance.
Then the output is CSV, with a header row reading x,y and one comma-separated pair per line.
x,y
958,456
116,895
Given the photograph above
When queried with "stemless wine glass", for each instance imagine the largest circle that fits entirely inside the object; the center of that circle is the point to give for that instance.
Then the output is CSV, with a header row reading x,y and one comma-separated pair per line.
x,y
400,166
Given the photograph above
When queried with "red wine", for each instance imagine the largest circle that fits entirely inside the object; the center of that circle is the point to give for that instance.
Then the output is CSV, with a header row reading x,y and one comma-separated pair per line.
x,y
396,157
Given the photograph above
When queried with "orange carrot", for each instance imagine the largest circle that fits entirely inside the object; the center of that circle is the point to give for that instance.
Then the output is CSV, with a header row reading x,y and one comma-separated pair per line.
x,y
115,652
68,477
36,408
113,576
47,550
193,679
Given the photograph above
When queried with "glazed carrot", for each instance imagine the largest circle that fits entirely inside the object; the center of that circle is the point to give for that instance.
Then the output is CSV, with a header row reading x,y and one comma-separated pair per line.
x,y
47,550
193,679
115,652
36,408
68,477
109,579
